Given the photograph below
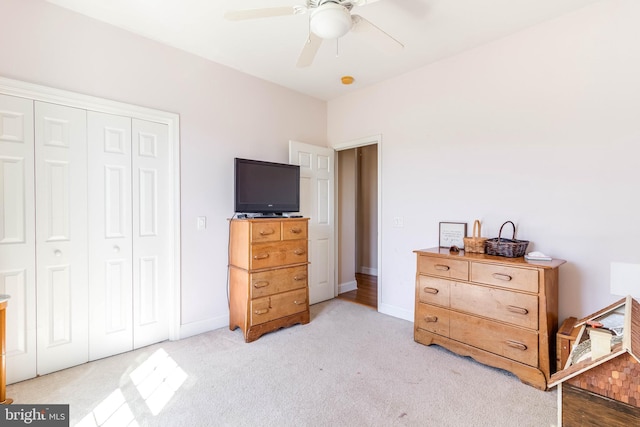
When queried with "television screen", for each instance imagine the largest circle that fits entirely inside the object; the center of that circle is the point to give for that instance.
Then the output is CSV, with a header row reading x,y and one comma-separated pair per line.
x,y
266,187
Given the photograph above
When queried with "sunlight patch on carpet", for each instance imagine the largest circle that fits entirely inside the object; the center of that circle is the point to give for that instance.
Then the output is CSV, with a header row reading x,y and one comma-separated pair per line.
x,y
112,411
157,379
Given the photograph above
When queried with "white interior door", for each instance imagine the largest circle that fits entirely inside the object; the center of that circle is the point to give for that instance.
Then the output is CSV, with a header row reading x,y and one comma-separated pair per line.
x,y
110,235
17,235
317,203
61,236
152,271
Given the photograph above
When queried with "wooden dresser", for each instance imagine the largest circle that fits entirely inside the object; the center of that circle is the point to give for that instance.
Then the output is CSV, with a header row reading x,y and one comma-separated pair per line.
x,y
501,311
267,275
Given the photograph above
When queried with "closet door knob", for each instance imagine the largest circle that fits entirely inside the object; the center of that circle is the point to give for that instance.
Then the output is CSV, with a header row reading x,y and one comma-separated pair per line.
x,y
116,249
57,252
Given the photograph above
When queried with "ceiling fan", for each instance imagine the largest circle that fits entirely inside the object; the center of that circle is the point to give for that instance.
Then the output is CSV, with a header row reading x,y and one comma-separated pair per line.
x,y
328,19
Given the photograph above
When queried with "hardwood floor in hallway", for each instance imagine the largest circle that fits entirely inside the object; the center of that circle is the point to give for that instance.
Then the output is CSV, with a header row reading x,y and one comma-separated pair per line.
x,y
367,292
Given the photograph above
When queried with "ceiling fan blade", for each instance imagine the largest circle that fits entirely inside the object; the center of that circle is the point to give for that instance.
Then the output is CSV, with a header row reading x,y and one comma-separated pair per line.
x,y
309,51
241,15
363,2
375,35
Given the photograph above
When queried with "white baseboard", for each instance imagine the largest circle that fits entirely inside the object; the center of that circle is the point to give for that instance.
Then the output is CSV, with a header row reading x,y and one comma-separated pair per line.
x,y
394,311
202,326
346,287
368,270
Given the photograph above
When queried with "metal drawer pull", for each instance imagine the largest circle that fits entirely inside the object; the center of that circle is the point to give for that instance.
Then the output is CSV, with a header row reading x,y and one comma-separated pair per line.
x,y
299,251
261,256
431,290
517,345
504,277
519,310
262,311
431,318
296,230
267,232
261,284
442,267
298,278
296,302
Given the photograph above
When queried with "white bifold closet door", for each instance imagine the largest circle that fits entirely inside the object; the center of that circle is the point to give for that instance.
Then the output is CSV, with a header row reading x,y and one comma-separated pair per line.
x,y
85,234
128,213
61,236
110,235
152,189
17,235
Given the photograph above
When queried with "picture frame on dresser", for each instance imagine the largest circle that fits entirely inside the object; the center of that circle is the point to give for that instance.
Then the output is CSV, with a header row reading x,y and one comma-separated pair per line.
x,y
452,234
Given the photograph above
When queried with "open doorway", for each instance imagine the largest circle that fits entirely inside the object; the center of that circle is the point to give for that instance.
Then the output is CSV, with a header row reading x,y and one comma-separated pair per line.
x,y
357,201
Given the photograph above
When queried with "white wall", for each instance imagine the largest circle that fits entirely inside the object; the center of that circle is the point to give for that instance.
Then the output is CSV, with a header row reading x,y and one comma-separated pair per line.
x,y
541,128
223,113
346,219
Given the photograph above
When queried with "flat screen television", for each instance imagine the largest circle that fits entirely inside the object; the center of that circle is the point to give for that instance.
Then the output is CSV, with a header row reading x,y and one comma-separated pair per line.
x,y
266,187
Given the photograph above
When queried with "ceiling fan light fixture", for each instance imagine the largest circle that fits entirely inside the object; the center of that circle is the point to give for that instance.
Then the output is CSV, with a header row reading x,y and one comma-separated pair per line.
x,y
331,21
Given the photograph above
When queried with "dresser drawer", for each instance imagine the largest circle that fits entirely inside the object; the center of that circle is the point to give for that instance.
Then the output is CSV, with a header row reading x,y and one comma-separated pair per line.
x,y
523,279
432,290
265,231
293,230
276,306
444,267
499,304
514,343
432,319
279,280
267,255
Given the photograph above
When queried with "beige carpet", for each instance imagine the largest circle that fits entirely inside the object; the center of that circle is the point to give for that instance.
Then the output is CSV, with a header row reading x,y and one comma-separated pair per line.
x,y
350,366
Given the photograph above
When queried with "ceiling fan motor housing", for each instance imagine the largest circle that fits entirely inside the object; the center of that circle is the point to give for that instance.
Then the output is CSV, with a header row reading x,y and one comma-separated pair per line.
x,y
331,21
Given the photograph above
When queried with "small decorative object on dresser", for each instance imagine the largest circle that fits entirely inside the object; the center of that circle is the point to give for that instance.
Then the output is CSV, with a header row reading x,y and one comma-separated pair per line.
x,y
475,243
452,234
502,312
510,248
268,287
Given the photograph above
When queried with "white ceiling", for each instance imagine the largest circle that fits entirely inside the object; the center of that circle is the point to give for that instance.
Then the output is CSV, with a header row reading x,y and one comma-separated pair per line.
x,y
269,47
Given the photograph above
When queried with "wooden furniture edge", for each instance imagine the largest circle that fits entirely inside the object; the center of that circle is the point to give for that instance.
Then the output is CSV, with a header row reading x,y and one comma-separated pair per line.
x,y
527,374
256,331
579,406
493,259
550,282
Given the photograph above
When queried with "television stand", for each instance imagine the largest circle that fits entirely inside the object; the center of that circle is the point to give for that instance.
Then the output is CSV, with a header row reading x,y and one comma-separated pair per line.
x,y
268,270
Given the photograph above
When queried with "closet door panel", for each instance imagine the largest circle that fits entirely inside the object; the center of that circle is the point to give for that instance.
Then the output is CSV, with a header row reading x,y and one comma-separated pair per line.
x,y
61,227
17,235
151,245
110,235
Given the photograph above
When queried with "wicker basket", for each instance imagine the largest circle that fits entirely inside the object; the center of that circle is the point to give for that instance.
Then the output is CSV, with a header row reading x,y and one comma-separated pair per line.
x,y
510,248
475,244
